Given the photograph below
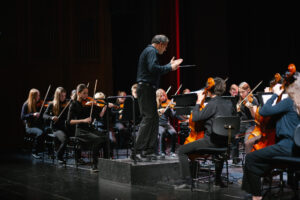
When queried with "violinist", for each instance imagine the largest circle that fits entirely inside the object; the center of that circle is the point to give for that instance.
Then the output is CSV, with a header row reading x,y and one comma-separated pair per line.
x,y
246,111
31,117
217,106
257,162
86,134
54,114
165,127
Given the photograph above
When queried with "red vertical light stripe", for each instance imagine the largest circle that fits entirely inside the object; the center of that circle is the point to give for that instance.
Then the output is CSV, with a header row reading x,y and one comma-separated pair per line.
x,y
177,38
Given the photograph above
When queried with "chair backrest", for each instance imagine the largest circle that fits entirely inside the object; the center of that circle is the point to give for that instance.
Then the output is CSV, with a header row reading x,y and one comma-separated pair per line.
x,y
220,129
297,136
221,123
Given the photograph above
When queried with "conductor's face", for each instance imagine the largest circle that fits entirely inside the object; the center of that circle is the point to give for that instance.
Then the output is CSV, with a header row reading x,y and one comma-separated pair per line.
x,y
162,47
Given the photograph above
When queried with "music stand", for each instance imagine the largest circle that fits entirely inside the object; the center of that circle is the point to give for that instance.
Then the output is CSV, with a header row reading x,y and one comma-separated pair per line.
x,y
184,103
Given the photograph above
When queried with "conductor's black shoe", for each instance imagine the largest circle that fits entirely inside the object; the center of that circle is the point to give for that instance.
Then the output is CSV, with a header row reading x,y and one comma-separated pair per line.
x,y
152,156
139,158
94,169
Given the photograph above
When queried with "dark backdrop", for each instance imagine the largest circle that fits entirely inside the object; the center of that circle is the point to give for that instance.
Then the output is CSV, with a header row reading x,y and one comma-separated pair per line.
x,y
67,42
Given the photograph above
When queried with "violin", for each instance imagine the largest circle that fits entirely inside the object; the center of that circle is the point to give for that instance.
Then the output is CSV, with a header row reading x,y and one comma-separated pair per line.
x,y
249,99
89,101
41,102
165,104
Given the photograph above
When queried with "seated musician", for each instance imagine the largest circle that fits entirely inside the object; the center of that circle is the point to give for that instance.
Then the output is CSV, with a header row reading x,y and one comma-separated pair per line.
x,y
234,90
217,106
118,124
165,128
53,111
246,111
32,119
86,134
256,164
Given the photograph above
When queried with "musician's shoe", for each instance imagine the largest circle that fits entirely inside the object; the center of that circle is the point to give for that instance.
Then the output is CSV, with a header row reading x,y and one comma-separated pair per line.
x,y
36,156
219,182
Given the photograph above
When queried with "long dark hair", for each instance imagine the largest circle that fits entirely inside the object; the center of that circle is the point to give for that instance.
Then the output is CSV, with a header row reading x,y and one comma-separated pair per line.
x,y
79,89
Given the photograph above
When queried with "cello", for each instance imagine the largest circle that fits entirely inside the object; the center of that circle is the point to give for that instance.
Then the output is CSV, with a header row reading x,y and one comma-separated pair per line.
x,y
265,126
197,128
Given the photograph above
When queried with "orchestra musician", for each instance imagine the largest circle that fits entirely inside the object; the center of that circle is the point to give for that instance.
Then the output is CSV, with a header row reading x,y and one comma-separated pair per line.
x,y
54,114
256,164
246,112
165,127
32,120
148,74
217,106
234,90
86,134
119,126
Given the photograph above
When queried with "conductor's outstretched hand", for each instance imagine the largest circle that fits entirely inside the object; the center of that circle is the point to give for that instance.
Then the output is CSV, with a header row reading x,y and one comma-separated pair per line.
x,y
175,63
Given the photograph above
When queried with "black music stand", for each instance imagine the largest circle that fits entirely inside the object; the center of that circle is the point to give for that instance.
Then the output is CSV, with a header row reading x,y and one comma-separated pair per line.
x,y
184,103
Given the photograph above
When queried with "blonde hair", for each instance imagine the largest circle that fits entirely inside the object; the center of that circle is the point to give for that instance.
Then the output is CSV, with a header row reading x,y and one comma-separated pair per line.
x,y
159,93
99,95
293,92
31,101
244,86
56,100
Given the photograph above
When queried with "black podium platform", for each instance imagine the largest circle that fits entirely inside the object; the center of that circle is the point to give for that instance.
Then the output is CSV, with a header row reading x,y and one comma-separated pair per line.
x,y
144,173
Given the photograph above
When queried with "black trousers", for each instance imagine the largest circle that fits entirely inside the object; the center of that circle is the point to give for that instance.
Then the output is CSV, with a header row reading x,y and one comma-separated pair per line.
x,y
258,164
94,138
148,131
197,145
62,137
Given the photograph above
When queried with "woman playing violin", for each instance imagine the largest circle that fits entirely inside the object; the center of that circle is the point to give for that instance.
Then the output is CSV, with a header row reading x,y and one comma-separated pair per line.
x,y
165,128
256,164
86,134
31,117
217,106
54,114
246,108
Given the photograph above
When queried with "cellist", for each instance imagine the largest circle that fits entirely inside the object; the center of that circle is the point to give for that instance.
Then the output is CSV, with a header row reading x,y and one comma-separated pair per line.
x,y
217,106
256,164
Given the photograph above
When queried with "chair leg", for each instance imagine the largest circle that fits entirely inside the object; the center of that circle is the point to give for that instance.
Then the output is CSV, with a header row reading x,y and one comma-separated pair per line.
x,y
192,175
227,173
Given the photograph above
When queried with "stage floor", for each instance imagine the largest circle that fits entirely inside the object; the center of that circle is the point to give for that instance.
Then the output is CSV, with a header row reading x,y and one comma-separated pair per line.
x,y
22,177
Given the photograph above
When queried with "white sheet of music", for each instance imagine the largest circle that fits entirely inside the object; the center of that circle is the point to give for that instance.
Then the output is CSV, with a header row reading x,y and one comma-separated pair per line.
x,y
266,97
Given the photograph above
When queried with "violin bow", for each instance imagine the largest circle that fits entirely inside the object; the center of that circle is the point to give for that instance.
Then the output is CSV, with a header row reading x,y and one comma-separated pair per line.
x,y
45,99
250,93
168,90
172,98
63,111
93,96
182,66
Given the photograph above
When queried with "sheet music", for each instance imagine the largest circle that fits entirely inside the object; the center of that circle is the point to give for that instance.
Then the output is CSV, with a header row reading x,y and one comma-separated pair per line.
x,y
266,97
